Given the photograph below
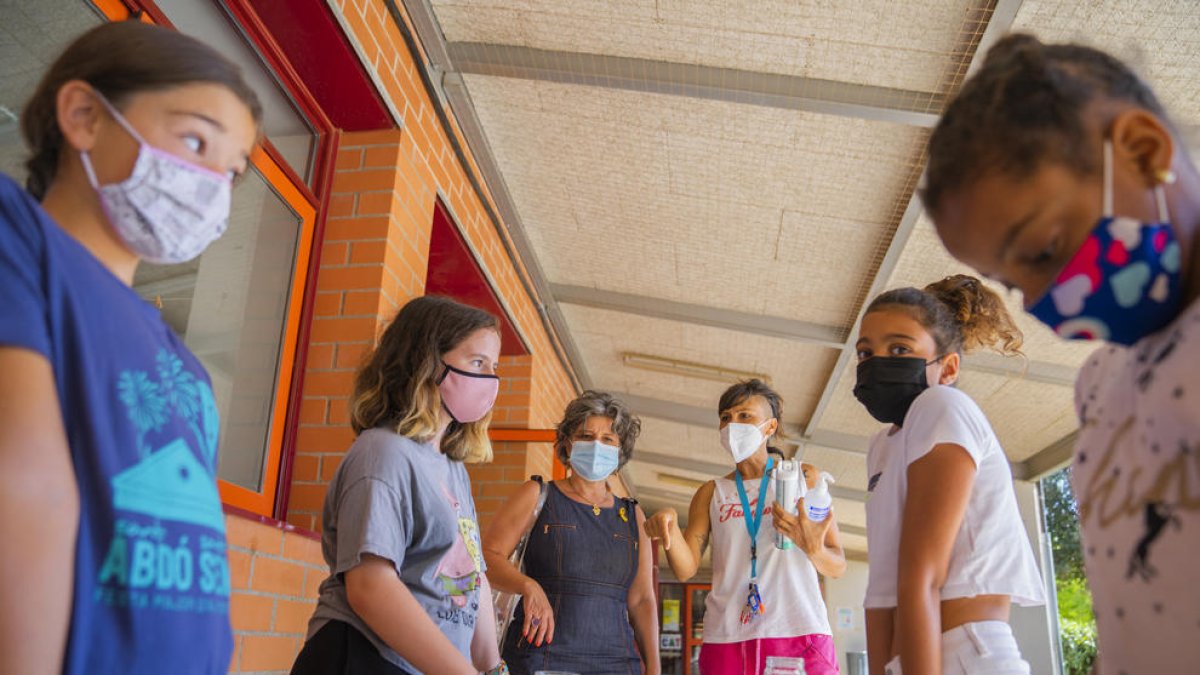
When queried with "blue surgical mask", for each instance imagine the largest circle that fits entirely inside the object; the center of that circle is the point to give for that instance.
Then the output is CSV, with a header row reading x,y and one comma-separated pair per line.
x,y
593,460
1123,284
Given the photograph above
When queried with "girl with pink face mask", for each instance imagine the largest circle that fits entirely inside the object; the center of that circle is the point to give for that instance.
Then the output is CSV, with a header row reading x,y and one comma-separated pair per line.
x,y
406,591
108,424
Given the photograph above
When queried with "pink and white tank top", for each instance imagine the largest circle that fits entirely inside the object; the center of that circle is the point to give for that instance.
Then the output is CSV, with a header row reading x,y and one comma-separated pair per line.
x,y
787,579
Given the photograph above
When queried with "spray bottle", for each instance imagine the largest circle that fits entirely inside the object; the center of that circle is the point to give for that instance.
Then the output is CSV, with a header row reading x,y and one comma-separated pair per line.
x,y
789,487
819,500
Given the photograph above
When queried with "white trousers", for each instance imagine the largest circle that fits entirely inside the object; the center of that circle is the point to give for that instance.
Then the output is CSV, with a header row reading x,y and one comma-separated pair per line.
x,y
980,648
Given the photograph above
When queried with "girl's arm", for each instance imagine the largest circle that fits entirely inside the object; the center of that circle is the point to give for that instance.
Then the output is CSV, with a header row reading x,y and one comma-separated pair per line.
x,y
939,487
381,599
643,608
880,626
39,517
485,649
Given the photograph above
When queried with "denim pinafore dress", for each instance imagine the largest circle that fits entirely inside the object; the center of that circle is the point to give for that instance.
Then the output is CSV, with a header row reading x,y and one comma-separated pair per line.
x,y
585,563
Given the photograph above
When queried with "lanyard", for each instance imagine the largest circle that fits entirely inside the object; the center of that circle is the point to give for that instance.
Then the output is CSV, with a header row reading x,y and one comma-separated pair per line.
x,y
752,522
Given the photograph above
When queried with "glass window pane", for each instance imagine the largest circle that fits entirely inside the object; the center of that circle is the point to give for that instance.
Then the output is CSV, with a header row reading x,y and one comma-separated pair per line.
x,y
31,36
283,124
230,305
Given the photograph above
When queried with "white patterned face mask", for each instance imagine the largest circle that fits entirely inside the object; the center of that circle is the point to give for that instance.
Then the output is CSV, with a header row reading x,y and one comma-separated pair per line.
x,y
168,210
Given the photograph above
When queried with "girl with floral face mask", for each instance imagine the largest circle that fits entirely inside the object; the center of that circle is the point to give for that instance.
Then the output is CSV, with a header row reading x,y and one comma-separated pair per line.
x,y
765,601
406,591
108,426
1056,171
948,553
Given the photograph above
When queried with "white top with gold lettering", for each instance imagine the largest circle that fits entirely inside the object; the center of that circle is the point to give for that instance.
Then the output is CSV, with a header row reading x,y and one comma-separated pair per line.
x,y
1136,477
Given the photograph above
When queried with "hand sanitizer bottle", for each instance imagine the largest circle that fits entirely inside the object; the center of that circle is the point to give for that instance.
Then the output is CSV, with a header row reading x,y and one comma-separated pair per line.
x,y
819,500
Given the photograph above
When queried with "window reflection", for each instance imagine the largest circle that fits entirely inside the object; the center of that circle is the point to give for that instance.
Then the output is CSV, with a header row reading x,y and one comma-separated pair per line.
x,y
230,306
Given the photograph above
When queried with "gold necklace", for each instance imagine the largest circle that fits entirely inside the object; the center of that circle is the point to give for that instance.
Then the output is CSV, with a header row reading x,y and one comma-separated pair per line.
x,y
595,506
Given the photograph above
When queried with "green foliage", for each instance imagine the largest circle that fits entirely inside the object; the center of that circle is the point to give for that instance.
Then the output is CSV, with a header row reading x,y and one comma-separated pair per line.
x,y
1074,600
1079,646
1062,519
1077,624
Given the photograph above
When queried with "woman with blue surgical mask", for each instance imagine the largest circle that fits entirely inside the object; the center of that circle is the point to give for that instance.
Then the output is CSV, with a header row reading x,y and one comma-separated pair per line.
x,y
765,600
1057,172
108,425
587,591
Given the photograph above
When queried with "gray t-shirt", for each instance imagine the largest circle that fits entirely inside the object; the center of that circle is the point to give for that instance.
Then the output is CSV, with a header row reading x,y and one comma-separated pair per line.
x,y
407,502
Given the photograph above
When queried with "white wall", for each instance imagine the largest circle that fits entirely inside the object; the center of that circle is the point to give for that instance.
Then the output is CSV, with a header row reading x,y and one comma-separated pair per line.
x,y
1036,628
843,594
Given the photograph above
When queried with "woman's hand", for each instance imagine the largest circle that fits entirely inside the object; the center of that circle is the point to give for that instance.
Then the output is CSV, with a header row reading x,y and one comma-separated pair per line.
x,y
539,615
660,526
807,534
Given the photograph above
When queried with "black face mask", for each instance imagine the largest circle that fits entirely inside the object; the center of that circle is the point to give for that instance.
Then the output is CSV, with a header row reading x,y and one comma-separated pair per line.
x,y
888,385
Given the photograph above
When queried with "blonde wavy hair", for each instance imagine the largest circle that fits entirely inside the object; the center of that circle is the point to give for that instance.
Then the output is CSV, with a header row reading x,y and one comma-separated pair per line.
x,y
396,388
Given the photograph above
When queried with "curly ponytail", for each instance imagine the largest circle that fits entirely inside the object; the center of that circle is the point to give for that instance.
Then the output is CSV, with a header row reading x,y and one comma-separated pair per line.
x,y
960,313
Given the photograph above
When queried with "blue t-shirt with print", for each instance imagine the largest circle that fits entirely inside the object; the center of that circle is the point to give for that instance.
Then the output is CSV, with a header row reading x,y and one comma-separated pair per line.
x,y
151,587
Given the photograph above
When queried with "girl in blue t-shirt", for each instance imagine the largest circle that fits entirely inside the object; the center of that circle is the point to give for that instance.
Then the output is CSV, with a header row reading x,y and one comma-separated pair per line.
x,y
112,543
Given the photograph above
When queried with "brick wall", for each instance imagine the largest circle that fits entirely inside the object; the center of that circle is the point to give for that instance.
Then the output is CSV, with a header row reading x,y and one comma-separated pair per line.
x,y
274,574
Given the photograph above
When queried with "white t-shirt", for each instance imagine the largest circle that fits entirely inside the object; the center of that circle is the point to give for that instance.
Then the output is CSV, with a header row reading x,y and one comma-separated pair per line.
x,y
992,554
1136,477
787,579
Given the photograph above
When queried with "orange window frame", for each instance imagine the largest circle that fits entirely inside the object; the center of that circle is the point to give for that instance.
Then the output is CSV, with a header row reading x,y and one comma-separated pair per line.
x,y
262,501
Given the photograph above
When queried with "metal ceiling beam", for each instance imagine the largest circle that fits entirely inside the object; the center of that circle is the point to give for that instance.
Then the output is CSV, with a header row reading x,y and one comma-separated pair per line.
x,y
715,469
668,310
830,97
848,528
787,329
1034,371
697,416
1047,460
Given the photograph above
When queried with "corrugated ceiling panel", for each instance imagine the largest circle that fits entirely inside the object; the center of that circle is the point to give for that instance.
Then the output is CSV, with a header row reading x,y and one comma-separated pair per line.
x,y
753,209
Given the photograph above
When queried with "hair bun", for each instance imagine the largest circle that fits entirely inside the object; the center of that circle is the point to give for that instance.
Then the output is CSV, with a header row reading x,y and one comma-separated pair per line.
x,y
979,312
1022,48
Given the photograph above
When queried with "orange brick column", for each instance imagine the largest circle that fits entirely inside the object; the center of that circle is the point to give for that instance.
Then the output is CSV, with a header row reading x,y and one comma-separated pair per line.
x,y
373,261
492,484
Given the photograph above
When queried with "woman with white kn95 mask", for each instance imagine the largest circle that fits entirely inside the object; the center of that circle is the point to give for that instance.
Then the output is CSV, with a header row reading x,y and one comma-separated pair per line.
x,y
765,600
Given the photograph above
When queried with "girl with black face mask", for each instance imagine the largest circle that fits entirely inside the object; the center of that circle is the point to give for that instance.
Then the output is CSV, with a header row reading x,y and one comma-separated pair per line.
x,y
948,551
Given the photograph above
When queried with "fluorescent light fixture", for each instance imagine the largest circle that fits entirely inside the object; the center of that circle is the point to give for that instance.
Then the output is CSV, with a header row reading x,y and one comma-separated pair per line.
x,y
679,481
662,364
8,118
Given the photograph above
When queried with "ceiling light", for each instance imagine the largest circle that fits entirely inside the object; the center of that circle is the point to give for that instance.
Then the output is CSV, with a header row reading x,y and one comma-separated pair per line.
x,y
8,118
662,364
679,481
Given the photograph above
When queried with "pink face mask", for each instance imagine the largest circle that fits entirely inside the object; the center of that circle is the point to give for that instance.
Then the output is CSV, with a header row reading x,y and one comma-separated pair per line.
x,y
468,397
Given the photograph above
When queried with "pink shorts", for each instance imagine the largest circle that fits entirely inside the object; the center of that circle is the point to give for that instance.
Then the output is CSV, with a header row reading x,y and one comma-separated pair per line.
x,y
750,657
